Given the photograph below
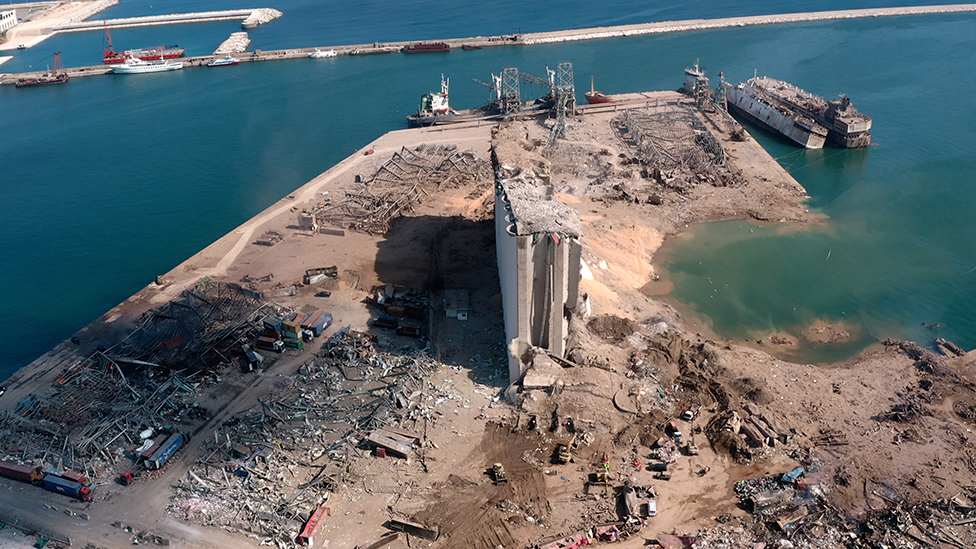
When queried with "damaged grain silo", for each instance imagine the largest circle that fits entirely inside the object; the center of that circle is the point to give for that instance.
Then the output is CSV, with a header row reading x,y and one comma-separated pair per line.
x,y
538,248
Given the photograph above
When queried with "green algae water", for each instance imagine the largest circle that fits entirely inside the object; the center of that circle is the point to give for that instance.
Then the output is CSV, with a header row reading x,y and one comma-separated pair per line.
x,y
106,182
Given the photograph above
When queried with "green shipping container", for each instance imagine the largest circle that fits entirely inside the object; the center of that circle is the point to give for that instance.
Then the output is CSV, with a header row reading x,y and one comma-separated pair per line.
x,y
294,343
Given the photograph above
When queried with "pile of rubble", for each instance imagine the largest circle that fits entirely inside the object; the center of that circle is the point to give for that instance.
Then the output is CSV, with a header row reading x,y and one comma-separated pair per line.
x,y
114,400
267,468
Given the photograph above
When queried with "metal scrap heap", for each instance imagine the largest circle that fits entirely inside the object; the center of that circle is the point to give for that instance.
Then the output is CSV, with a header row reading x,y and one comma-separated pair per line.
x,y
268,468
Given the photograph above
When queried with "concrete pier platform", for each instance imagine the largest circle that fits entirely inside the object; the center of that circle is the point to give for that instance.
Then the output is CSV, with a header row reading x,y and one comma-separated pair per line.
x,y
30,33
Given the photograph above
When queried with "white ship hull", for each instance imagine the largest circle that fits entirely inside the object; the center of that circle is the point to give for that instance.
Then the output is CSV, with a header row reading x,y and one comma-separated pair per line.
x,y
795,127
140,67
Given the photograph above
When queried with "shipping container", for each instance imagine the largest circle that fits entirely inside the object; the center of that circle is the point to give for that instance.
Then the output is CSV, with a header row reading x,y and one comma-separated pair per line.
x,y
385,321
307,537
321,324
408,329
311,319
76,476
24,473
271,344
275,334
315,279
157,442
165,451
291,335
67,487
272,323
397,311
293,327
293,343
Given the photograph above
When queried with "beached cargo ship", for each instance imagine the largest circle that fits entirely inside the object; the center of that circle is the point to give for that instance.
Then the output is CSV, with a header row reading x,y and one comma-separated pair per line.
x,y
803,117
776,112
594,97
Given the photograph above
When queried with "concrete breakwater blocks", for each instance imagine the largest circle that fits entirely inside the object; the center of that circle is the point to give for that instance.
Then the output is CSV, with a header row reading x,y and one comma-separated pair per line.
x,y
260,16
237,43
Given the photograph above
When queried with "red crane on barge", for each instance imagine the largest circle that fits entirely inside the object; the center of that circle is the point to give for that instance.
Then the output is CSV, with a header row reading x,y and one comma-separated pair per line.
x,y
146,54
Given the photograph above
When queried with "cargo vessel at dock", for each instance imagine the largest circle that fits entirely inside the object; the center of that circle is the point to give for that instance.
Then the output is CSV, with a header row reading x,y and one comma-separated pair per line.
x,y
806,119
435,108
435,47
58,75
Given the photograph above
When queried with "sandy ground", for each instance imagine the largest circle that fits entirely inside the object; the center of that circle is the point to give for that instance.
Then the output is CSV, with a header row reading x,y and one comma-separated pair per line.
x,y
885,423
31,33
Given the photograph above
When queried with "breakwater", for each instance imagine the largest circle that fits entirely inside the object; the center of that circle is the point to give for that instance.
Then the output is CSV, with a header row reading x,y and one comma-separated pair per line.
x,y
251,18
527,39
705,24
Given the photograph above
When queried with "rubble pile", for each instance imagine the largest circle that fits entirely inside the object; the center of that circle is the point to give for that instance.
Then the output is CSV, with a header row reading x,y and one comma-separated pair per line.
x,y
398,185
267,468
111,402
96,413
197,329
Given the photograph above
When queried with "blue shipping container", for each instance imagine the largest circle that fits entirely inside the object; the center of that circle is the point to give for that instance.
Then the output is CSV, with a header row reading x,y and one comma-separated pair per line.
x,y
321,324
273,323
63,485
168,448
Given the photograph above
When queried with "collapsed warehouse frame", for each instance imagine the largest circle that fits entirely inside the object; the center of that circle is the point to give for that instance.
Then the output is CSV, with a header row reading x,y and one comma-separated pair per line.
x,y
671,141
104,401
398,185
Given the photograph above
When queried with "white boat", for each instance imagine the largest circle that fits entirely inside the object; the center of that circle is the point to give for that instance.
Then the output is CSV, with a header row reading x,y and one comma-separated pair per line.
x,y
319,54
224,62
138,66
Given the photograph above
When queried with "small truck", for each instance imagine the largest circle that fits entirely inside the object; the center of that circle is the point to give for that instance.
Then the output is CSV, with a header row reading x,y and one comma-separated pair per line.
x,y
498,472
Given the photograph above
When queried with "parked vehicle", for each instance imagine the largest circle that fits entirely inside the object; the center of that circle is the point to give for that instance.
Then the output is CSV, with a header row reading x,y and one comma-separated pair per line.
x,y
166,451
24,473
651,507
71,488
270,344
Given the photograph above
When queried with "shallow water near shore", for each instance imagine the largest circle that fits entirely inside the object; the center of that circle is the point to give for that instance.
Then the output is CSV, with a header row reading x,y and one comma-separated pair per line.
x,y
110,181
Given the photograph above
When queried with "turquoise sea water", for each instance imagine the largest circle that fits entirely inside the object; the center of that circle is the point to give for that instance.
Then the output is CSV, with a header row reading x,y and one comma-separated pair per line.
x,y
108,181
